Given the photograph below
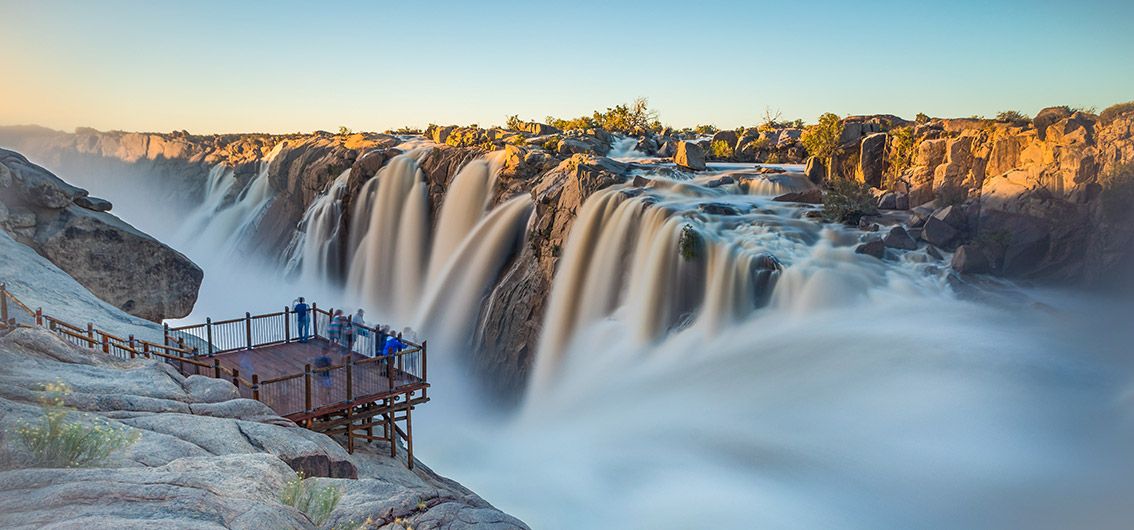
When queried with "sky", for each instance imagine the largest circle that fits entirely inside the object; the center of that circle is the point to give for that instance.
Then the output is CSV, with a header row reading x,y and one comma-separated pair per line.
x,y
288,66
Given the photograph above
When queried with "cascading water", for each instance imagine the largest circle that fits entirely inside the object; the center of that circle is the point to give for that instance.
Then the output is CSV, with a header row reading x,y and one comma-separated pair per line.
x,y
317,250
710,356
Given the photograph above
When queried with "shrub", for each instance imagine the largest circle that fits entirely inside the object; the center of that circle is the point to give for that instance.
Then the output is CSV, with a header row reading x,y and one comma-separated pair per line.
x,y
921,118
1013,117
720,149
316,503
629,118
55,442
704,129
1112,112
689,244
1117,191
822,139
344,130
847,200
513,123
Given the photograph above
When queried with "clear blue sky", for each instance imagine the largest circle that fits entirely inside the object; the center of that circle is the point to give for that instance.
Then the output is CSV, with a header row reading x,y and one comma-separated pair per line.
x,y
213,66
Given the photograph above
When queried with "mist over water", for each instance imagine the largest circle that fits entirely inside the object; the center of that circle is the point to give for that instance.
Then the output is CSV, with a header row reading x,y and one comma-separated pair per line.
x,y
782,381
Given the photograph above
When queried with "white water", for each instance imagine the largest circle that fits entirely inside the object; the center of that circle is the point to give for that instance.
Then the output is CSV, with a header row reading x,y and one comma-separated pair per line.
x,y
670,393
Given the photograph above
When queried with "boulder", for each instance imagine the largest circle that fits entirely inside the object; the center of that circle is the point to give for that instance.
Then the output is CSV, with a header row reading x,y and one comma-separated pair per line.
x,y
93,204
871,160
888,201
728,137
969,259
716,208
815,170
19,217
33,185
690,155
939,233
899,238
120,264
572,146
874,247
952,216
538,129
811,196
1046,117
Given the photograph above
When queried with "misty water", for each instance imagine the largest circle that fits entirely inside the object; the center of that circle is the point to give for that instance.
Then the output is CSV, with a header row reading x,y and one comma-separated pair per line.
x,y
777,379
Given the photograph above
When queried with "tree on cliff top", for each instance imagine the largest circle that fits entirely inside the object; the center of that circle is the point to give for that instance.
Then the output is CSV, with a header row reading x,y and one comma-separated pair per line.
x,y
630,118
822,139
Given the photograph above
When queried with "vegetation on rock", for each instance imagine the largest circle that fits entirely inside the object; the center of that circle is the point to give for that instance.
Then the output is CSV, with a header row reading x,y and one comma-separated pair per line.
x,y
847,200
315,502
822,139
900,154
720,149
56,442
630,118
690,242
1112,112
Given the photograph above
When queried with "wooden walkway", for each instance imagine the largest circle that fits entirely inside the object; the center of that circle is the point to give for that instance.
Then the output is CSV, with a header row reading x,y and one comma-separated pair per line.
x,y
353,393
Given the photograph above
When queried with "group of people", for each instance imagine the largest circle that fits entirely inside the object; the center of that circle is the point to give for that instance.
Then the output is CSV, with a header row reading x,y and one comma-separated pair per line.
x,y
342,332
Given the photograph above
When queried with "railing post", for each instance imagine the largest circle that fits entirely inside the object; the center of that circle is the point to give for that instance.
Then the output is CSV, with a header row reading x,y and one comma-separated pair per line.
x,y
409,435
349,378
216,368
401,358
146,350
181,346
287,324
39,316
236,379
248,328
314,316
105,344
90,336
307,388
133,348
209,334
4,302
256,387
165,334
424,361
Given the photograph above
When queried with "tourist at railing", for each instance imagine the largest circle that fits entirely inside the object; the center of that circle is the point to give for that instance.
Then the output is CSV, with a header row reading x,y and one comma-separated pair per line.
x,y
335,329
346,331
302,319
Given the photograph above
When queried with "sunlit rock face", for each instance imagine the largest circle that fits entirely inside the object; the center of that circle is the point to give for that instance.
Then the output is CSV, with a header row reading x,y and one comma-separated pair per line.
x,y
117,262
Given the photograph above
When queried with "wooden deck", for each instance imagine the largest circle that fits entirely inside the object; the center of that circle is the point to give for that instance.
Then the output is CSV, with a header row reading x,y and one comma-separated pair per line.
x,y
357,395
273,365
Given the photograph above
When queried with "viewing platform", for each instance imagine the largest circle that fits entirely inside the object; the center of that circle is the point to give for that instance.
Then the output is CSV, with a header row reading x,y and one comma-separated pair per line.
x,y
360,395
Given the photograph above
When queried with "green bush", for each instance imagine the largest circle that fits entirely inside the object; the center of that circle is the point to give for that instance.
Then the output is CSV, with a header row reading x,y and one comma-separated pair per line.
x,y
721,150
1112,112
1013,117
705,129
847,200
316,503
55,442
629,118
921,118
689,244
822,139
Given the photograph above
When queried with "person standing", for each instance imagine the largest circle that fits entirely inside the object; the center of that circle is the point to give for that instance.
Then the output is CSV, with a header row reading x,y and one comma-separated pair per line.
x,y
347,331
302,319
335,328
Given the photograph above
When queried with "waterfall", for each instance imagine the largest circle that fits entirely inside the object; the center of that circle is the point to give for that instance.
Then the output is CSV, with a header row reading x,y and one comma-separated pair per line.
x,y
388,227
317,251
218,228
470,191
454,300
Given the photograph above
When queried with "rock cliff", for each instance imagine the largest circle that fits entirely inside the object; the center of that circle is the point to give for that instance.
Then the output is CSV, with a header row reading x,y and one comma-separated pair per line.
x,y
120,264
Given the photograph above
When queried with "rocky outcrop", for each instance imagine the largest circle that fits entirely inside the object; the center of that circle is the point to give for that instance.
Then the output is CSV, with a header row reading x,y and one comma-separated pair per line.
x,y
118,263
1031,192
204,457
